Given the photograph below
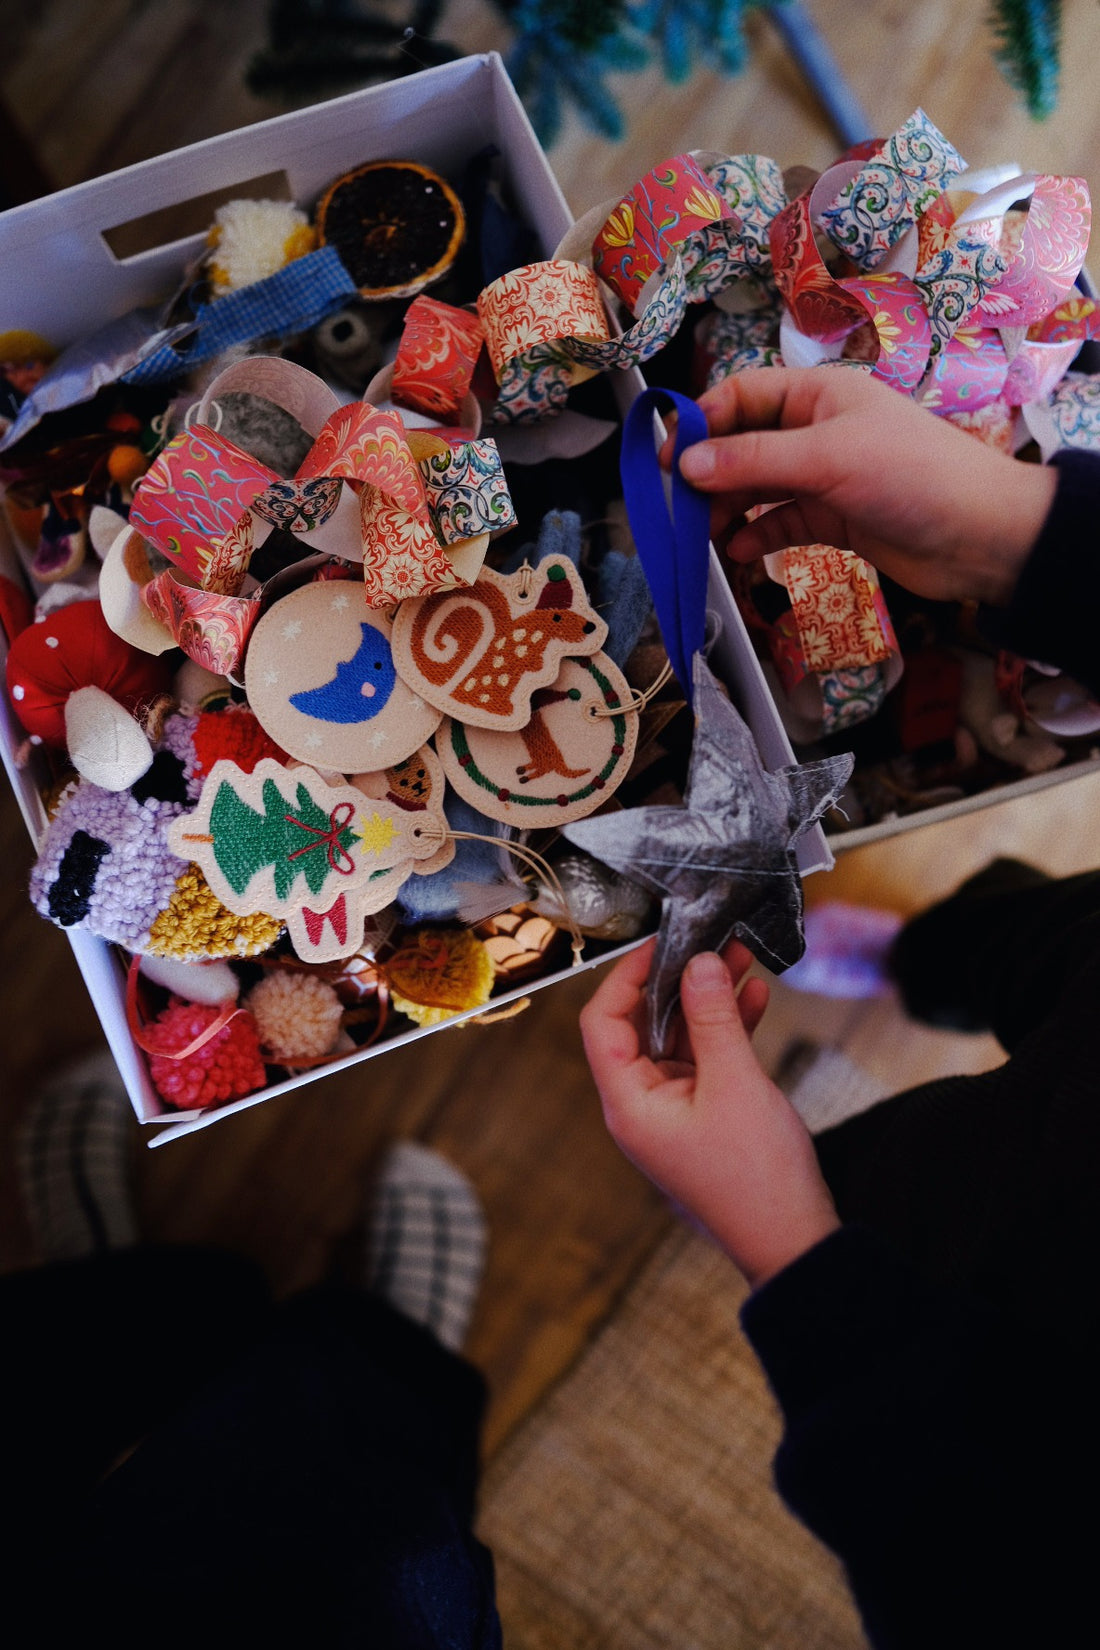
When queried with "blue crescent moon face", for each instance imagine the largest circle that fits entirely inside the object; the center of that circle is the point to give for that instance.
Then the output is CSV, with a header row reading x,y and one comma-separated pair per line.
x,y
361,687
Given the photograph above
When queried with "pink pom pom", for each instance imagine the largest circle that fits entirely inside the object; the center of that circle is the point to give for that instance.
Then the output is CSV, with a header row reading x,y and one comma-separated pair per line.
x,y
227,1066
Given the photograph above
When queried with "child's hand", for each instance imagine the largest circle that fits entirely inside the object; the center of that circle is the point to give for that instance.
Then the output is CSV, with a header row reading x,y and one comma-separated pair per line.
x,y
709,1127
865,468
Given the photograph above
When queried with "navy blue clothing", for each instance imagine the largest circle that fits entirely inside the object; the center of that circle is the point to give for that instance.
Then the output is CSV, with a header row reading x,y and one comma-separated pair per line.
x,y
1052,612
301,1473
936,1359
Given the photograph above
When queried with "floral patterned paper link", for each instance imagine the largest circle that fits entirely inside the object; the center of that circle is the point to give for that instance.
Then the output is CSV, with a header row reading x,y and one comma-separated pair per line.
x,y
752,187
835,598
969,372
538,381
1046,256
204,497
539,304
665,209
191,500
212,629
955,280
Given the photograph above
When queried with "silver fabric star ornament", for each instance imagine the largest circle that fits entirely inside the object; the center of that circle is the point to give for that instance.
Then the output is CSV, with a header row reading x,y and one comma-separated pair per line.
x,y
724,863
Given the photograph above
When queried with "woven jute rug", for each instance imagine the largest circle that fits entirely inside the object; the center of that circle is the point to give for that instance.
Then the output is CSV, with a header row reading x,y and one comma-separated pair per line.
x,y
635,1508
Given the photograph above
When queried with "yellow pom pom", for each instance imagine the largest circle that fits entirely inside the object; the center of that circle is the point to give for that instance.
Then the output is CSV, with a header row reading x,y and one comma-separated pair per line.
x,y
254,241
440,972
19,345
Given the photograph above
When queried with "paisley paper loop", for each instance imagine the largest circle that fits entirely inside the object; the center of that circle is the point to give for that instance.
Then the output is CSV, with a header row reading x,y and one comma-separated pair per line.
x,y
466,492
298,506
1036,370
752,187
887,193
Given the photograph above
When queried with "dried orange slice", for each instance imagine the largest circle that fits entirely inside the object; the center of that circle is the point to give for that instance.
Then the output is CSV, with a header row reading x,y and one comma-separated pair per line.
x,y
396,224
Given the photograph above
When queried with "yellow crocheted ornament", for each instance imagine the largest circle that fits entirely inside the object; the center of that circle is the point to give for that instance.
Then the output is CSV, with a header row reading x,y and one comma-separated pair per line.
x,y
440,972
196,926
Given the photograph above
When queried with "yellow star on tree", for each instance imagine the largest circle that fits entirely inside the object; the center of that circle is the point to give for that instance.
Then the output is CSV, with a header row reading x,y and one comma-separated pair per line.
x,y
376,833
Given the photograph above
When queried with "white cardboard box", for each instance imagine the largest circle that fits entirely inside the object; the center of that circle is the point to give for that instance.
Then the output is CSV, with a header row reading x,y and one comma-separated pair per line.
x,y
62,279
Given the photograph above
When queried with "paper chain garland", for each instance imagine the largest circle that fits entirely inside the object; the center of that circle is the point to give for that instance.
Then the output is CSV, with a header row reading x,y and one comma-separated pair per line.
x,y
946,288
416,511
938,282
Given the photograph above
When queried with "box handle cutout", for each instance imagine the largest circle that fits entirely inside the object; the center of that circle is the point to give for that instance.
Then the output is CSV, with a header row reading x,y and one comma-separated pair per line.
x,y
169,224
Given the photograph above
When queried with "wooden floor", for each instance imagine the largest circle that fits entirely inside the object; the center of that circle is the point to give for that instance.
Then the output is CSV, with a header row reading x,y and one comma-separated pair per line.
x,y
96,86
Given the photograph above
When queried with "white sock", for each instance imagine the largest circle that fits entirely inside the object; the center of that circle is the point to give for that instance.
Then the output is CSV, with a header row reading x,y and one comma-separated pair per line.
x,y
73,1152
426,1241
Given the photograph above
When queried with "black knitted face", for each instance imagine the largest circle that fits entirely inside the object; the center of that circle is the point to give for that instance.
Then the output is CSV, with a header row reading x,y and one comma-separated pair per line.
x,y
165,781
71,893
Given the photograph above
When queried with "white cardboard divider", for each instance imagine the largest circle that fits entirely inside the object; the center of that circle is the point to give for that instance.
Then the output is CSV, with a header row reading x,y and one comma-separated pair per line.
x,y
62,280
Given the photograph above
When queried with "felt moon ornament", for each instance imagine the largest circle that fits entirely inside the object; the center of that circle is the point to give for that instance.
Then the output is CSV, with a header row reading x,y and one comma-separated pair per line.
x,y
321,678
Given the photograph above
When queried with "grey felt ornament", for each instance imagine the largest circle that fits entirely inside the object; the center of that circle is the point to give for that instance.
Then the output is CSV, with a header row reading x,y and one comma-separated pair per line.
x,y
724,862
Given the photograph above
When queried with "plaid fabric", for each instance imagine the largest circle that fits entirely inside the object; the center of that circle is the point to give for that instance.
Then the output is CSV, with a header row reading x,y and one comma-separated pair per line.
x,y
292,300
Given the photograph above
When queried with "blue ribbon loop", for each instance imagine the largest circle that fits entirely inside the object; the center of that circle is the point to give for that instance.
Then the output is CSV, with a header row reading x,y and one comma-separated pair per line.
x,y
674,550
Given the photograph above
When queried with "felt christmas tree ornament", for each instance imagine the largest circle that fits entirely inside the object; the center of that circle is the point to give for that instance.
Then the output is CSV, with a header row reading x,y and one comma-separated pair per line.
x,y
278,839
415,786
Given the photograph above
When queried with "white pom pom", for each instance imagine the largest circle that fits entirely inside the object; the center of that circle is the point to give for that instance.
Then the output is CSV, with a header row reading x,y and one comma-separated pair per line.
x,y
195,982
